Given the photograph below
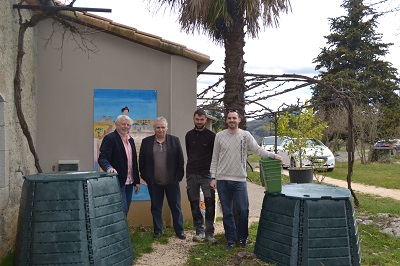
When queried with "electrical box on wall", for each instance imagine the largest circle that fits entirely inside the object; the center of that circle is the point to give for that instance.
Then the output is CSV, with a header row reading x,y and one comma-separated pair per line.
x,y
68,165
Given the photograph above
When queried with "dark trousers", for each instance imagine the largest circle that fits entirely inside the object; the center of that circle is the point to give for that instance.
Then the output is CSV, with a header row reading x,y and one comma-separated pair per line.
x,y
173,194
194,183
126,192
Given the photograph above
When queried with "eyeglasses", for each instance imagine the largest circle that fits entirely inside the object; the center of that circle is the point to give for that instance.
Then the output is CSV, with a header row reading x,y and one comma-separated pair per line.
x,y
233,111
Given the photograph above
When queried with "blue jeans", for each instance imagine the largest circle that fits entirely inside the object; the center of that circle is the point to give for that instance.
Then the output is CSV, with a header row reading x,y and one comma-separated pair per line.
x,y
127,191
230,192
173,194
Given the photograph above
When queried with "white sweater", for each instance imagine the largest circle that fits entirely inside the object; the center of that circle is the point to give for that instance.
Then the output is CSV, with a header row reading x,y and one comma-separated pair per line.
x,y
230,155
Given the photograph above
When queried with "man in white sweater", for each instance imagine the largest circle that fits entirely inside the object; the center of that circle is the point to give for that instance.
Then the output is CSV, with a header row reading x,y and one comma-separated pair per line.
x,y
228,173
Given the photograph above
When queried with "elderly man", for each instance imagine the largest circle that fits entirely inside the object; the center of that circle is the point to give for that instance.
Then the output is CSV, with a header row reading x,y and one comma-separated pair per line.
x,y
118,155
161,167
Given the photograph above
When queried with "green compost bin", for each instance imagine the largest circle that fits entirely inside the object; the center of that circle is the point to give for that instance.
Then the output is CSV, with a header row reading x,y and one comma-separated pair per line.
x,y
72,218
271,174
308,224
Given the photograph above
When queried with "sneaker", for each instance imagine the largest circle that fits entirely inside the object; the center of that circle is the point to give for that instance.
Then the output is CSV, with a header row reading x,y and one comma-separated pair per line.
x,y
181,236
157,235
198,237
211,239
229,246
244,242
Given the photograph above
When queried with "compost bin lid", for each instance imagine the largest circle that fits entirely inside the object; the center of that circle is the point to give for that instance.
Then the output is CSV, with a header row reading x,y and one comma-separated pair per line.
x,y
315,191
67,176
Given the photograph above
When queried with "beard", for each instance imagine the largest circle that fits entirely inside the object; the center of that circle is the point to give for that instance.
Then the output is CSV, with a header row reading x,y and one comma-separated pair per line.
x,y
231,125
199,127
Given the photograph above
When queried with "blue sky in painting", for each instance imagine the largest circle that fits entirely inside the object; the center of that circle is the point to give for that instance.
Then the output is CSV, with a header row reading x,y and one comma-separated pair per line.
x,y
142,104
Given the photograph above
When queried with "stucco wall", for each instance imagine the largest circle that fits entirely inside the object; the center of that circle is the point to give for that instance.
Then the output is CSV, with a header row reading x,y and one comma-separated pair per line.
x,y
57,100
65,101
16,159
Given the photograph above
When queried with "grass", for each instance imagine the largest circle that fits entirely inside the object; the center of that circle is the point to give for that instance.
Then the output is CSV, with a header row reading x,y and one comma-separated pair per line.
x,y
384,175
370,205
377,248
377,174
142,240
215,255
7,260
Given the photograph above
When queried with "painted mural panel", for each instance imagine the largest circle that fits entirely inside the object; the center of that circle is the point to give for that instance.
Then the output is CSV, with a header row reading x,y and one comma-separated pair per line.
x,y
139,105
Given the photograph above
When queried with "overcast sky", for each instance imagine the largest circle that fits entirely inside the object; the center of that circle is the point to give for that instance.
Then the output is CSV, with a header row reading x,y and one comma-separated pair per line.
x,y
287,49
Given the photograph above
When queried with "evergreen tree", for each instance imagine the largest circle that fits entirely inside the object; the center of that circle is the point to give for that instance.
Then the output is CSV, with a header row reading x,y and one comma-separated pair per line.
x,y
354,62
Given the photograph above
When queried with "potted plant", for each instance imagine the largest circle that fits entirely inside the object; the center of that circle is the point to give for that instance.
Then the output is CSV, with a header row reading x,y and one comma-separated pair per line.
x,y
299,128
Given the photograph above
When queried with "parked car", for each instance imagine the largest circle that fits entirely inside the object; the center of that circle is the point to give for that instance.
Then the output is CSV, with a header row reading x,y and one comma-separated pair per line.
x,y
396,144
268,143
317,155
393,145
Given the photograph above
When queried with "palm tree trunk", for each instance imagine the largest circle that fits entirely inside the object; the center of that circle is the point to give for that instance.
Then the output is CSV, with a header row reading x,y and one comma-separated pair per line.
x,y
234,68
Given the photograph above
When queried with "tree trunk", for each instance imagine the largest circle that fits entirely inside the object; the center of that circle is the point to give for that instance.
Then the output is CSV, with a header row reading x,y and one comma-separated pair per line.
x,y
234,68
17,85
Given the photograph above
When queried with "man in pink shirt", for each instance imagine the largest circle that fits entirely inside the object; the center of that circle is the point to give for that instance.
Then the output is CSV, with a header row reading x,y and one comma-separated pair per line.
x,y
118,155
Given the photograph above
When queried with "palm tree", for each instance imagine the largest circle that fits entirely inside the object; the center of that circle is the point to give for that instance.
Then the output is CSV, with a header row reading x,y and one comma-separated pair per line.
x,y
227,22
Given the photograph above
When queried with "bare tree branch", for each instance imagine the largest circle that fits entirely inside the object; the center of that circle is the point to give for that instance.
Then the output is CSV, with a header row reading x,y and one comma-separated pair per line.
x,y
70,31
17,84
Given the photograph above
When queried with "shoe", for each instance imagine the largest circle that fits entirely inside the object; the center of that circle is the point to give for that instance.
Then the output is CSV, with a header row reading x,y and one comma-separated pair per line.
x,y
181,236
244,242
211,239
198,237
157,235
229,246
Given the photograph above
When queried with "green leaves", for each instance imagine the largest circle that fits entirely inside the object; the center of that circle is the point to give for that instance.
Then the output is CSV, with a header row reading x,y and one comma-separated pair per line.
x,y
300,127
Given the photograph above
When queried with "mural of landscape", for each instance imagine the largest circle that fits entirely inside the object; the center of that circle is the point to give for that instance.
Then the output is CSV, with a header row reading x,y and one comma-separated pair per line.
x,y
109,104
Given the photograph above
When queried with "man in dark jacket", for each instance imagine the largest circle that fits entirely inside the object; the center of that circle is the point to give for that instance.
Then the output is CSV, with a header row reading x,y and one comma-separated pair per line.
x,y
199,148
118,155
161,167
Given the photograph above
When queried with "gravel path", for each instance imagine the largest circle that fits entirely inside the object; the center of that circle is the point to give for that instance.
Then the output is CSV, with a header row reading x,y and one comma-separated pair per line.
x,y
175,253
373,190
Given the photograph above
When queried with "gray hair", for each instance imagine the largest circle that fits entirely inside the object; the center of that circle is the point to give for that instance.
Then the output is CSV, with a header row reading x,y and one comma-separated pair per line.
x,y
120,117
160,119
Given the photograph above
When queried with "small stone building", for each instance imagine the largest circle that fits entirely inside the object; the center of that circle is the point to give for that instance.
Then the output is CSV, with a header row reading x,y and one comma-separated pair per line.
x,y
58,79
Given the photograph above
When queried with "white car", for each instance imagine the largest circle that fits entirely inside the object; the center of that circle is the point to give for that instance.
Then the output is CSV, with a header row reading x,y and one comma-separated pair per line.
x,y
317,155
268,143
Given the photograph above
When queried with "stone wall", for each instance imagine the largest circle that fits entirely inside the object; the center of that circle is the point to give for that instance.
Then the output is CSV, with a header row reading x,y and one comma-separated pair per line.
x,y
16,159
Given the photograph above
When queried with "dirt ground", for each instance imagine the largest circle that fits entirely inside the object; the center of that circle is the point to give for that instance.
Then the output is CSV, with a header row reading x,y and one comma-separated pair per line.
x,y
175,253
373,190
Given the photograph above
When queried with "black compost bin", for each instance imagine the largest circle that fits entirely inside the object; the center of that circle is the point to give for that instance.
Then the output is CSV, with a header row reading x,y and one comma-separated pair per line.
x,y
308,224
72,218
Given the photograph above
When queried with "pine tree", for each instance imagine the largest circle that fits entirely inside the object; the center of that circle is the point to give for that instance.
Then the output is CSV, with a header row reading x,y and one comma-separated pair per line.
x,y
354,61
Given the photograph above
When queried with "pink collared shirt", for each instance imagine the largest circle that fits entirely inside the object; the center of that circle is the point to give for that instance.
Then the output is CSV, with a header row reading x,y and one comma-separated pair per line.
x,y
128,150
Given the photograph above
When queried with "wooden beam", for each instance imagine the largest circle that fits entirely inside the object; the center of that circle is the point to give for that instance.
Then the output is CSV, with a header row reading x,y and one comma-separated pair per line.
x,y
59,8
